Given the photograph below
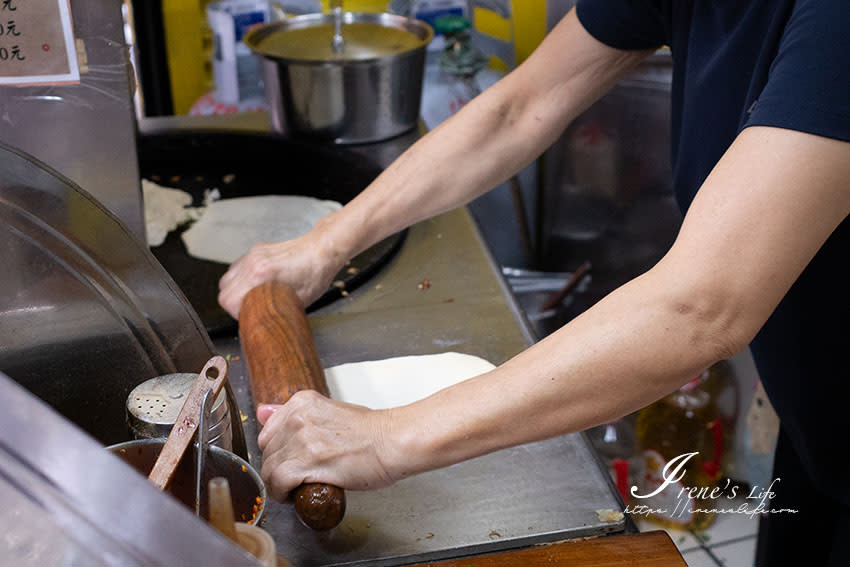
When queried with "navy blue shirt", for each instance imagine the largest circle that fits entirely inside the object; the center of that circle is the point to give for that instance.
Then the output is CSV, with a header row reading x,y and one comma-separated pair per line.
x,y
781,63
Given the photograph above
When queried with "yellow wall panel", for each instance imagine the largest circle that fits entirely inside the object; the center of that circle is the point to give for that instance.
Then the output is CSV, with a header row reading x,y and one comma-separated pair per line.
x,y
529,22
184,47
492,24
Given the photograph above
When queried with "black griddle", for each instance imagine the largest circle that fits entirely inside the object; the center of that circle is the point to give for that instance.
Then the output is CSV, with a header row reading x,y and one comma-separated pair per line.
x,y
242,165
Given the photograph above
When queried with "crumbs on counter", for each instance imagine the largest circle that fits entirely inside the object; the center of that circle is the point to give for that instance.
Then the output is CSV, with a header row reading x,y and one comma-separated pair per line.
x,y
229,178
608,515
352,270
449,300
379,286
424,284
236,358
344,293
494,534
339,284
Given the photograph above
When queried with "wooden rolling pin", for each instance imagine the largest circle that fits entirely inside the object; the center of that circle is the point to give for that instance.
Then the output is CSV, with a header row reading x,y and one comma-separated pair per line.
x,y
282,360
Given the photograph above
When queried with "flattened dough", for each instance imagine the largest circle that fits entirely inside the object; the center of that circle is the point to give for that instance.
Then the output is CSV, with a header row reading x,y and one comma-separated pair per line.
x,y
165,210
393,382
229,227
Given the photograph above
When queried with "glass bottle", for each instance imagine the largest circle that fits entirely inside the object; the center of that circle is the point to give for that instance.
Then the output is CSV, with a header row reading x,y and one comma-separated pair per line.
x,y
684,433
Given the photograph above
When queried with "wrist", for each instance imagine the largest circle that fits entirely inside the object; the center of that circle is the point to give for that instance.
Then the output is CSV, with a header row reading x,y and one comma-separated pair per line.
x,y
335,238
405,448
330,245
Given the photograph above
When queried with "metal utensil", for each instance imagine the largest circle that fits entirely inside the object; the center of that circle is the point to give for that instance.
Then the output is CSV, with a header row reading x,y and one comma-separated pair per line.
x,y
337,43
153,406
212,377
556,298
203,441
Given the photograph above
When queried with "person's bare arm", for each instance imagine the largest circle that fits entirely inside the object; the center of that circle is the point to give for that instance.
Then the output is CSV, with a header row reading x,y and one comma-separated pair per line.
x,y
757,221
494,136
759,218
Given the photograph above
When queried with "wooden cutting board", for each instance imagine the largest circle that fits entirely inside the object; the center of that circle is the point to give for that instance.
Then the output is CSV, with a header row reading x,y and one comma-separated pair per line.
x,y
648,549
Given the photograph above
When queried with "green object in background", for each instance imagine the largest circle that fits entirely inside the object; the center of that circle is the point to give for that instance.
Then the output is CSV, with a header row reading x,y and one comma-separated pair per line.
x,y
451,24
459,56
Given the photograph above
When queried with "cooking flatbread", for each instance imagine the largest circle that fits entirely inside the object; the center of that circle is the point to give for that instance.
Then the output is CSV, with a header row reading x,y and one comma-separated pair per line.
x,y
229,227
393,382
165,210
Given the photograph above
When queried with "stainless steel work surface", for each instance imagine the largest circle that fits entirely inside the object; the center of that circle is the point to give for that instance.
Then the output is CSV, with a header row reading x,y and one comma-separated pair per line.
x,y
530,494
517,497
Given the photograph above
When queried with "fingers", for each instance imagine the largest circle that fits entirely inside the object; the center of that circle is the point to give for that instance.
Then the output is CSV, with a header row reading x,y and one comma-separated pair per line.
x,y
264,411
243,275
285,454
279,476
274,430
294,262
314,439
230,292
282,422
228,277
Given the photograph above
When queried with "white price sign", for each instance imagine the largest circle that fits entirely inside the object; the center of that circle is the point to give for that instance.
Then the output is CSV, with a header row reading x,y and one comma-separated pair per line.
x,y
37,43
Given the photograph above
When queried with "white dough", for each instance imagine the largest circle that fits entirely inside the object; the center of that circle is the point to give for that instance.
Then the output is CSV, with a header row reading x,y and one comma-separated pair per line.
x,y
229,227
165,210
393,382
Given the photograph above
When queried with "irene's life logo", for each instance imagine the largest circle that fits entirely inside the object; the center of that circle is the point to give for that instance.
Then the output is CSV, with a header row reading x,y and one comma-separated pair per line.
x,y
677,500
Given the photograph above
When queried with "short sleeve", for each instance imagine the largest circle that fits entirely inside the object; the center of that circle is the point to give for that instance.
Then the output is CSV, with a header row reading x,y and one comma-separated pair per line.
x,y
808,84
624,24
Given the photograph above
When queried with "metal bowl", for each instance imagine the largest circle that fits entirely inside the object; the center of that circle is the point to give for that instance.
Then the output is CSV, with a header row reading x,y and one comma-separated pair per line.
x,y
246,486
343,100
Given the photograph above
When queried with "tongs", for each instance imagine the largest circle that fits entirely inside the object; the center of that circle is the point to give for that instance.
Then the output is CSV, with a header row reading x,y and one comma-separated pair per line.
x,y
203,442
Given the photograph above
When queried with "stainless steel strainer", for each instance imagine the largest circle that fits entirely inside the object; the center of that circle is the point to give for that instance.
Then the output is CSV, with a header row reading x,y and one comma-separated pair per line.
x,y
153,406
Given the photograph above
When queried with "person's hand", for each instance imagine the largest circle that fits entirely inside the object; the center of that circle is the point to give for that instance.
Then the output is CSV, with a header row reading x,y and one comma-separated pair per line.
x,y
302,263
314,439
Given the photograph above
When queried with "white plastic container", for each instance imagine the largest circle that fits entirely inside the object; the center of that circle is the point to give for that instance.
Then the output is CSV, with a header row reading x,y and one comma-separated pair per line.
x,y
235,68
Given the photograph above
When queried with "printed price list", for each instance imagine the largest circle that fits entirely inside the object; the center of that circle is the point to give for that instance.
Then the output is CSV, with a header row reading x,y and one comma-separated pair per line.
x,y
36,42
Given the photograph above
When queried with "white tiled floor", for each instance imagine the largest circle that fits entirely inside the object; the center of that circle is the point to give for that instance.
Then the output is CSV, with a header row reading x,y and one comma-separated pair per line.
x,y
699,558
729,542
737,554
727,527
